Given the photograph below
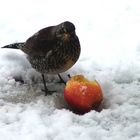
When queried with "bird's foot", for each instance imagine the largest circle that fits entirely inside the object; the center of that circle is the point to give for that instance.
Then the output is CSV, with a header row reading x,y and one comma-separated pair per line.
x,y
48,92
61,80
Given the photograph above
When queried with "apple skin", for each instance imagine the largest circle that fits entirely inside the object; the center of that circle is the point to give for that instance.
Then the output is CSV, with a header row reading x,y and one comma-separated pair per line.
x,y
82,95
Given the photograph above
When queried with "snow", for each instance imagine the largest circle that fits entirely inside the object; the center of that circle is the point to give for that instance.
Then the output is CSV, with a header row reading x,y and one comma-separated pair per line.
x,y
109,35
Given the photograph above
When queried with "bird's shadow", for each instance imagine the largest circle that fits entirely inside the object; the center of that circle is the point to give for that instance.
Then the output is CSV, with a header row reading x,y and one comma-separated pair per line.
x,y
23,92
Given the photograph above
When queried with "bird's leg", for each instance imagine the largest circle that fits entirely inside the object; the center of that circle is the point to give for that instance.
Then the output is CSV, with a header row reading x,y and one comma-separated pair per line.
x,y
61,79
45,87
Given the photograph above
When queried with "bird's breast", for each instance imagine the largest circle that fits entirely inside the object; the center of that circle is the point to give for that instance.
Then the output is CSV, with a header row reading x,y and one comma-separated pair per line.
x,y
51,65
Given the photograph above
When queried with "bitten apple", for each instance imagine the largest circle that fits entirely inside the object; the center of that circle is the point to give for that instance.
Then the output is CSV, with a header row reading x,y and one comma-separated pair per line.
x,y
82,95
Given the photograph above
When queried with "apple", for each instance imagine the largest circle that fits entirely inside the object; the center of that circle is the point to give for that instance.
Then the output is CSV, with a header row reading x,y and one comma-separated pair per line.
x,y
82,95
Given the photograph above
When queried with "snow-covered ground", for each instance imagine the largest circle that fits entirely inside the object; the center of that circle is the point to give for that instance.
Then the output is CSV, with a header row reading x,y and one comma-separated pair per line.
x,y
109,32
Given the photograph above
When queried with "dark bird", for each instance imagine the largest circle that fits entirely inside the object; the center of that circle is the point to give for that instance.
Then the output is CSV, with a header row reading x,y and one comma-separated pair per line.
x,y
52,50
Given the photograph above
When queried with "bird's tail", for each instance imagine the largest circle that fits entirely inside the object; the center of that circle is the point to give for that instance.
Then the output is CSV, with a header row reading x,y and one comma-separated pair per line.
x,y
15,46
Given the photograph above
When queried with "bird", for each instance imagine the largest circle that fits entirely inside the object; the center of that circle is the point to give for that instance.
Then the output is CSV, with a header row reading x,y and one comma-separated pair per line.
x,y
51,50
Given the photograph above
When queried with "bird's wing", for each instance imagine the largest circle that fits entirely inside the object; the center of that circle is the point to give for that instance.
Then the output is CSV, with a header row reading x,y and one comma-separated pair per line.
x,y
41,42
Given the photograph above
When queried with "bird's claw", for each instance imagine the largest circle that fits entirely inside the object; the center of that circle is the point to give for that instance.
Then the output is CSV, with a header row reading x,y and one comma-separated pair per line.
x,y
48,92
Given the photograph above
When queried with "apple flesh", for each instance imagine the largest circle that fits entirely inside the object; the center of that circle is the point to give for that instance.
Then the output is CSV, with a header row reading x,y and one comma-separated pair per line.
x,y
82,95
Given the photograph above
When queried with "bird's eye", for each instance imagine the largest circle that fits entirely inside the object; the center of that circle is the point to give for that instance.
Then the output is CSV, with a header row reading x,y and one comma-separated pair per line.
x,y
61,31
64,30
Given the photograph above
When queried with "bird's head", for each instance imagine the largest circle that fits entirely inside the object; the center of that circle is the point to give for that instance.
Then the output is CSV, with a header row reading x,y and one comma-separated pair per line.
x,y
65,31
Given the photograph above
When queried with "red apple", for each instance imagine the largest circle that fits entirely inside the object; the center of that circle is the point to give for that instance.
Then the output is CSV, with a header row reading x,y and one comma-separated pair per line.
x,y
82,95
